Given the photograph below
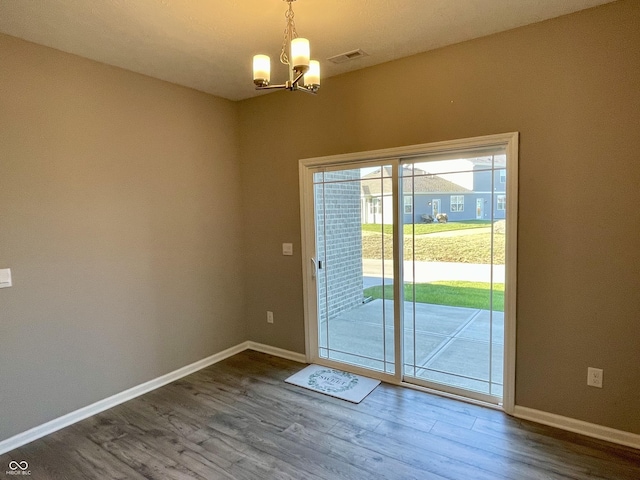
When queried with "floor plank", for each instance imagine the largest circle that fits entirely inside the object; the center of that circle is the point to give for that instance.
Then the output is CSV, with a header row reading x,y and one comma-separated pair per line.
x,y
238,419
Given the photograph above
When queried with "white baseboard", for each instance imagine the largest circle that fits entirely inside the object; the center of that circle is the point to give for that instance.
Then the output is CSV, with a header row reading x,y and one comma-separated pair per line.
x,y
565,423
578,426
278,352
56,424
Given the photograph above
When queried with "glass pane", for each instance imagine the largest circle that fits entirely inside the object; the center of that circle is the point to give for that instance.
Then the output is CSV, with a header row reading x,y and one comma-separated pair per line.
x,y
454,272
354,245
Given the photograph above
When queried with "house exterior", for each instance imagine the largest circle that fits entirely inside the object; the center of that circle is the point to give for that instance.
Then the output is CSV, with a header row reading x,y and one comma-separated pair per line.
x,y
477,193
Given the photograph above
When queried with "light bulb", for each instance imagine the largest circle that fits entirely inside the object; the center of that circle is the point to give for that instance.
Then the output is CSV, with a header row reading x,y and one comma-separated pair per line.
x,y
300,53
312,76
261,70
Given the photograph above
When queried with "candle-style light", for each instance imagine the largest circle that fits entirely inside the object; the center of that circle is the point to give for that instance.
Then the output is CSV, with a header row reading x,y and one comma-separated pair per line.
x,y
300,53
312,77
261,70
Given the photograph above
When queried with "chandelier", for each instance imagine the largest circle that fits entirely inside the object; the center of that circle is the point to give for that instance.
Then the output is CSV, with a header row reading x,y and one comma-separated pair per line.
x,y
304,74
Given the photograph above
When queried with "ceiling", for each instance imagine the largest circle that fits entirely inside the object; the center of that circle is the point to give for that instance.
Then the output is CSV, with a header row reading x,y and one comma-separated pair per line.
x,y
208,44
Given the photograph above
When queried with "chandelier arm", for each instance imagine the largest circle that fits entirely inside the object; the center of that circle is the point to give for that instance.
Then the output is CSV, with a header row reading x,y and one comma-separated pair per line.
x,y
271,87
300,74
311,90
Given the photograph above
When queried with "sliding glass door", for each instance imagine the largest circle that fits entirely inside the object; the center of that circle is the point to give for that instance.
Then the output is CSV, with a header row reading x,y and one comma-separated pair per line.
x,y
354,251
454,272
406,265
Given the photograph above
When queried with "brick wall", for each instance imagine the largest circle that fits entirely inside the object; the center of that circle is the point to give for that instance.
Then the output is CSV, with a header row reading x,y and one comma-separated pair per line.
x,y
339,242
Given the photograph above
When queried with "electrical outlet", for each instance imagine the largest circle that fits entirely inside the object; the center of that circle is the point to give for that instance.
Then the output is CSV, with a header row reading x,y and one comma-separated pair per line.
x,y
594,377
269,317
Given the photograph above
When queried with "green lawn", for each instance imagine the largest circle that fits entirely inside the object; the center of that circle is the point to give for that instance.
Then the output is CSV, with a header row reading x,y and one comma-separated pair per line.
x,y
459,249
424,228
455,294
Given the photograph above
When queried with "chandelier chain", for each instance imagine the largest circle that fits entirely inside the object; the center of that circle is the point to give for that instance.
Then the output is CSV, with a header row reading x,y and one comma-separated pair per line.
x,y
290,33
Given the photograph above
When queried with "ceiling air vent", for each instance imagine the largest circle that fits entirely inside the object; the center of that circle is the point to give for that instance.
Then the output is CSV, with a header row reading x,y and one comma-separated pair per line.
x,y
348,56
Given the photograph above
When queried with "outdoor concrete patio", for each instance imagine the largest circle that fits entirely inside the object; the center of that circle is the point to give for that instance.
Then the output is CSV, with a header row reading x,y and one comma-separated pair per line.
x,y
448,345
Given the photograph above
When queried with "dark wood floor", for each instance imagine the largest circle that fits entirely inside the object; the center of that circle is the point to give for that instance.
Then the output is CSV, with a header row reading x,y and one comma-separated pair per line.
x,y
238,419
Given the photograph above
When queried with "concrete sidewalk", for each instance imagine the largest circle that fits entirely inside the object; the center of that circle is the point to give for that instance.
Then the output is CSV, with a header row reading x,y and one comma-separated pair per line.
x,y
424,272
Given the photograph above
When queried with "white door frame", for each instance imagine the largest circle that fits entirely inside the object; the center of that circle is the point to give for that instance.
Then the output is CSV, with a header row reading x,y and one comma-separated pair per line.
x,y
361,159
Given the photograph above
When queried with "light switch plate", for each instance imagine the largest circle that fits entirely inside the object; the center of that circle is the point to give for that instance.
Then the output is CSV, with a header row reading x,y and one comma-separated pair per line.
x,y
287,249
5,277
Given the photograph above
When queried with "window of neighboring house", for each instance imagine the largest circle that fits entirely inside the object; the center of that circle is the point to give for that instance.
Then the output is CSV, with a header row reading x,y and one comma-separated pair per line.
x,y
457,203
502,201
503,176
408,204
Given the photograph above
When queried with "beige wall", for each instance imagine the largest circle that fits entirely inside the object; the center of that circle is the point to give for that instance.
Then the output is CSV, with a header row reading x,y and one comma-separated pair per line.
x,y
571,87
119,217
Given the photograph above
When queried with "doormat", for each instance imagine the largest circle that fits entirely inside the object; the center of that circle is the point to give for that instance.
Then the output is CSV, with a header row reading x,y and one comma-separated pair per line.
x,y
339,384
